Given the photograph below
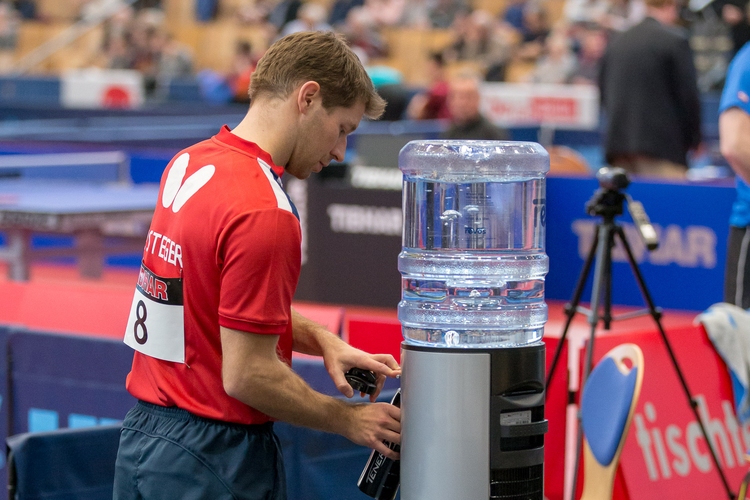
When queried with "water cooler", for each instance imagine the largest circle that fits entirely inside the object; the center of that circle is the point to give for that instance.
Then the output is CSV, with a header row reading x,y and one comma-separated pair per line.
x,y
472,312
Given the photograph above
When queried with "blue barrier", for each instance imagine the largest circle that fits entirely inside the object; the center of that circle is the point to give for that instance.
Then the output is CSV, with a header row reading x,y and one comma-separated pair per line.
x,y
66,381
67,464
62,381
37,90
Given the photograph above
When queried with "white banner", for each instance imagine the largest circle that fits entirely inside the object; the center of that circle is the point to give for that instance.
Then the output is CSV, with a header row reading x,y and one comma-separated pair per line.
x,y
529,104
102,88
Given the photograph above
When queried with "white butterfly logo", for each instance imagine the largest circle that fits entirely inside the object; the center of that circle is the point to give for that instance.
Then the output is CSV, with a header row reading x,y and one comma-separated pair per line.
x,y
176,192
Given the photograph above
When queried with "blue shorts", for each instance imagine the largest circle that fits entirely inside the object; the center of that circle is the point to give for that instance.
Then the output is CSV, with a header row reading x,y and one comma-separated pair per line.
x,y
169,453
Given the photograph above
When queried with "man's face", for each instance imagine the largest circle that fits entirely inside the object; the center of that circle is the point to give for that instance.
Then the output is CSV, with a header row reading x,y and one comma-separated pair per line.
x,y
322,138
463,100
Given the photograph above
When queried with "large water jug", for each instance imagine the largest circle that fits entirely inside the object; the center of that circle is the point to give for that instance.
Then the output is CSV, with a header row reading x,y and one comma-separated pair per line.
x,y
473,260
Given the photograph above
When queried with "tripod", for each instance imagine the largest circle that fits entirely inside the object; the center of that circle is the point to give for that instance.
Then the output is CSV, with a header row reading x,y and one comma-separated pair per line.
x,y
607,202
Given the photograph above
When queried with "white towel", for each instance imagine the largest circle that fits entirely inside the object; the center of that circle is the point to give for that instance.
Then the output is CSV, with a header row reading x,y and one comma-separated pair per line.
x,y
728,327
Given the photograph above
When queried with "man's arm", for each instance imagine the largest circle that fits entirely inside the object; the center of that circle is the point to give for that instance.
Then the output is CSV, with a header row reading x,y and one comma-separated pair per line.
x,y
253,374
338,356
734,139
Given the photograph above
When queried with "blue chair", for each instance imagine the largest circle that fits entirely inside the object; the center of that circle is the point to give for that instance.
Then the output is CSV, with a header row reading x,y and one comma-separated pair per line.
x,y
65,464
607,405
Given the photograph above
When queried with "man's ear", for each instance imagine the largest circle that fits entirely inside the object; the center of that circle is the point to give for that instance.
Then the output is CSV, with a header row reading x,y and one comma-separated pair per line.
x,y
308,93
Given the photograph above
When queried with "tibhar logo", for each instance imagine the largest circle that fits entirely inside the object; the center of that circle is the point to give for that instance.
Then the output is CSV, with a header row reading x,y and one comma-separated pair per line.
x,y
365,220
176,192
676,450
692,246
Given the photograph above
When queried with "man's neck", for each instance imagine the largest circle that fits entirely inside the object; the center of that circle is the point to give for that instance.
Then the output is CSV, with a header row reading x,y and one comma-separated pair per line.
x,y
267,124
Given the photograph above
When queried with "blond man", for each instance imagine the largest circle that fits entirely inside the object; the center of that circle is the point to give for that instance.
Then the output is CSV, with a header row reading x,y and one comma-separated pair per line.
x,y
212,324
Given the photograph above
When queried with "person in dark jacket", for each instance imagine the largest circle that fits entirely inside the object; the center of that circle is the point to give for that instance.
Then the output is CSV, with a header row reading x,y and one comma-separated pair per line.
x,y
650,96
467,121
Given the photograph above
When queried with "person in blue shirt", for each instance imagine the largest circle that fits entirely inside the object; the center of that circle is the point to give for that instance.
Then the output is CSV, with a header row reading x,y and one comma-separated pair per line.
x,y
734,137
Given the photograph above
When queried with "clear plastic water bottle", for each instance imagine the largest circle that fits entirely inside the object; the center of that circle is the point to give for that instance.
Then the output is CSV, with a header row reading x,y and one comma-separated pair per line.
x,y
473,260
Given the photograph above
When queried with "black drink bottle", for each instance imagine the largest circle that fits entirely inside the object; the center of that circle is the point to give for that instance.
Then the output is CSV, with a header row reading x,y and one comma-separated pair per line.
x,y
381,476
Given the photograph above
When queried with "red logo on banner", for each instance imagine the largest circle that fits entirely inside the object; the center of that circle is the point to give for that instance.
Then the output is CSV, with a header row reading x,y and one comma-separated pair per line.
x,y
554,108
116,97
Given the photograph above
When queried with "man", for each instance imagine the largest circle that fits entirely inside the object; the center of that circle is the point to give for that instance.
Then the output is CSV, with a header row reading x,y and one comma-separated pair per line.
x,y
467,121
211,321
650,95
432,104
734,137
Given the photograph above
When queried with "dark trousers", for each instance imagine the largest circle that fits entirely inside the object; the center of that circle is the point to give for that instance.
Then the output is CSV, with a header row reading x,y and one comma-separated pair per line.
x,y
168,453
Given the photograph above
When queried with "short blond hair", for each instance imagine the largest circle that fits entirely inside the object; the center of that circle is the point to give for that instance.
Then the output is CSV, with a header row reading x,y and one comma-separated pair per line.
x,y
322,57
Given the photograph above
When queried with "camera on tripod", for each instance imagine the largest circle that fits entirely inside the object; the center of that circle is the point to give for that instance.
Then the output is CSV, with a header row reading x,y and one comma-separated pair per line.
x,y
608,202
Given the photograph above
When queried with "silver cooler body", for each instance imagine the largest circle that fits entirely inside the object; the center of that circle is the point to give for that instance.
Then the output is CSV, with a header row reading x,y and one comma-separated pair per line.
x,y
472,423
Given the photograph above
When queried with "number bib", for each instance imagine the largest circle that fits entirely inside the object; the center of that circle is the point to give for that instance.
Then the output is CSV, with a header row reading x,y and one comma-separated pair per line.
x,y
156,326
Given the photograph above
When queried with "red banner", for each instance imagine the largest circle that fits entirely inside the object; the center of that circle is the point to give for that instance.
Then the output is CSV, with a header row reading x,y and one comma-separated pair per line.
x,y
665,453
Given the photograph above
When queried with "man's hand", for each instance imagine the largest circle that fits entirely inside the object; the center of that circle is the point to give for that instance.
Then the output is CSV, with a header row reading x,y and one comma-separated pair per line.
x,y
340,357
371,424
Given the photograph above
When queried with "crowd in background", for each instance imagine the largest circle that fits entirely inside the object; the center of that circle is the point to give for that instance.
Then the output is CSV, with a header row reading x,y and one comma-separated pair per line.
x,y
560,45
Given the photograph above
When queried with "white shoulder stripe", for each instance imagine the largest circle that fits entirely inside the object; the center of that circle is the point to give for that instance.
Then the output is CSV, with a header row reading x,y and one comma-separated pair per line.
x,y
281,198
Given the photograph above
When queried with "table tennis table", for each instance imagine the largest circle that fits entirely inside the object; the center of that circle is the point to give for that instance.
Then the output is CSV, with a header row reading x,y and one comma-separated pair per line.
x,y
103,218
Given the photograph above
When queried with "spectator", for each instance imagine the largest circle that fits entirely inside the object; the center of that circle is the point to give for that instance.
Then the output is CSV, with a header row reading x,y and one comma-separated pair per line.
x,y
386,12
513,14
480,40
416,14
206,10
26,8
592,42
147,4
310,17
243,66
734,137
558,64
340,9
433,103
734,15
467,122
649,93
9,24
172,59
119,52
283,12
443,12
621,15
362,35
256,12
536,28
584,11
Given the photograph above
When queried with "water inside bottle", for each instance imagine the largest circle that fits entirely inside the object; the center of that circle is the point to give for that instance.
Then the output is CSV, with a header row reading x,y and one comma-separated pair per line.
x,y
475,215
473,262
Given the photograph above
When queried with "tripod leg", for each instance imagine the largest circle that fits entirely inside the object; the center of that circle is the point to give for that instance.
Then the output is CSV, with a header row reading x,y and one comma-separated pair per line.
x,y
656,314
604,250
570,307
607,284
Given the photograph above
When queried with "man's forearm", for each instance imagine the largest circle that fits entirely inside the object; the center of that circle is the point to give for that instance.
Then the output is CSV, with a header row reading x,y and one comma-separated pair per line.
x,y
253,374
309,336
279,392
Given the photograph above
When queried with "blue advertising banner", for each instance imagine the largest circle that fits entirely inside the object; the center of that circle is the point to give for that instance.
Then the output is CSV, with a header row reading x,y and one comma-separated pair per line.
x,y
685,272
61,381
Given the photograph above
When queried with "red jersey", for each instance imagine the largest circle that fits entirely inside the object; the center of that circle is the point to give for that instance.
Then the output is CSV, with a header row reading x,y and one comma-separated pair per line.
x,y
224,249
